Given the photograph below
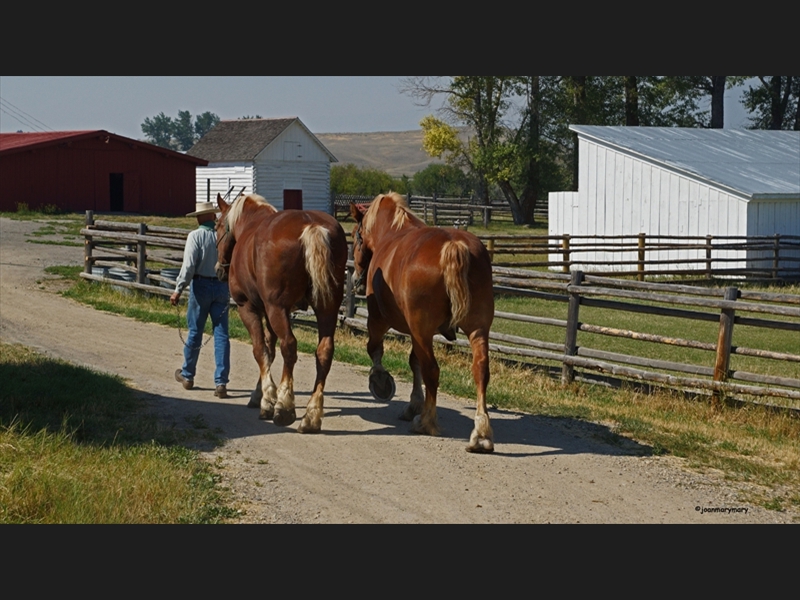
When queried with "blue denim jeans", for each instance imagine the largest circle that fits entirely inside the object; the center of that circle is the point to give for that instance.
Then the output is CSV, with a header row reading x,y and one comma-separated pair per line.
x,y
208,297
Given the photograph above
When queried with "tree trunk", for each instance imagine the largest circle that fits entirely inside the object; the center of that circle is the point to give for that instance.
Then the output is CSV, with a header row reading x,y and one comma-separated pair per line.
x,y
579,99
517,212
631,101
530,193
718,101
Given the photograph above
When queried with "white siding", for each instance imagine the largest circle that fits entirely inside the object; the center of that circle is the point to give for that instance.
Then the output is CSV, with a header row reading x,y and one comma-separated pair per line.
x,y
620,194
272,177
221,177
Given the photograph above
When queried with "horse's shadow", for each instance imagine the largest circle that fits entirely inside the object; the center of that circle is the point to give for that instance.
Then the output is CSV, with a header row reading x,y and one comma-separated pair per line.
x,y
544,434
516,435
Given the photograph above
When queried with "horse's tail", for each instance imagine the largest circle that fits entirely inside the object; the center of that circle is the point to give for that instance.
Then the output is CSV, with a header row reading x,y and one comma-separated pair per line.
x,y
454,260
319,263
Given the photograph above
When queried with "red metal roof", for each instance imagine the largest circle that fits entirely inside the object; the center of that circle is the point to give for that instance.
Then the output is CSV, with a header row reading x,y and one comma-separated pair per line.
x,y
16,142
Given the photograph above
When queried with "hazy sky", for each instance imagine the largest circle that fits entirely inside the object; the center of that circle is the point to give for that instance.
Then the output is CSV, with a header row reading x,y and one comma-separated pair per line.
x,y
330,104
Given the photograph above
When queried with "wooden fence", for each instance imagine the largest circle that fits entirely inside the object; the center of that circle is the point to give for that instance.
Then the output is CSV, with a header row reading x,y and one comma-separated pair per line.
x,y
728,307
458,212
774,258
131,247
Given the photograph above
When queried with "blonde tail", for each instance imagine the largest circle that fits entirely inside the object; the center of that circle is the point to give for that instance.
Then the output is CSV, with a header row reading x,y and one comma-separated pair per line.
x,y
454,260
319,264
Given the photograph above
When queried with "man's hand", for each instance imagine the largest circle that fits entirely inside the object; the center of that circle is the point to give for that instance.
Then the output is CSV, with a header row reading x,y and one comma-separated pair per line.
x,y
174,298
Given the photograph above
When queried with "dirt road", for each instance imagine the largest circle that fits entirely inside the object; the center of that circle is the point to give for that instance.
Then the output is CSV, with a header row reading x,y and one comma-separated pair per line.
x,y
365,467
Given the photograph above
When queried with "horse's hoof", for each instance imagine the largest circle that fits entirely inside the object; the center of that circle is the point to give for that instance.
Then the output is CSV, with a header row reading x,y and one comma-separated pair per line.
x,y
266,414
284,417
408,413
481,446
382,386
255,400
417,426
307,427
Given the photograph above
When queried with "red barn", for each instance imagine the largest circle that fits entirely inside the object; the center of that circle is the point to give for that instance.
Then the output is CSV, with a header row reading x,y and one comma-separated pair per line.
x,y
94,170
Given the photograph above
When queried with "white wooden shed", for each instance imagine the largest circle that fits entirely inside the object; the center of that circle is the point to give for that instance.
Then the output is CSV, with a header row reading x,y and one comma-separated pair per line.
x,y
681,182
280,159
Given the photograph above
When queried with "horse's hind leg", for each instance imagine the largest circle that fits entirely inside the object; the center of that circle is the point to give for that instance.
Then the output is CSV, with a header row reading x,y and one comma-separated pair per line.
x,y
481,438
414,407
278,321
426,421
312,421
381,383
264,352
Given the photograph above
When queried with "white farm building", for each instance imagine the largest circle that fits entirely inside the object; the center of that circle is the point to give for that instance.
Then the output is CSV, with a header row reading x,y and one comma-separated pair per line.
x,y
279,159
670,181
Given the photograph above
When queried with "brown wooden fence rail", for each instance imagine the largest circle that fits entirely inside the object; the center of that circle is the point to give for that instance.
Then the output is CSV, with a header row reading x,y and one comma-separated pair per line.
x,y
765,257
728,307
131,247
458,212
128,248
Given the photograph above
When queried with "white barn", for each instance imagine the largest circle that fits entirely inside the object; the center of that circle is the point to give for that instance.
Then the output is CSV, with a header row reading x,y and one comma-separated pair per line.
x,y
681,182
280,159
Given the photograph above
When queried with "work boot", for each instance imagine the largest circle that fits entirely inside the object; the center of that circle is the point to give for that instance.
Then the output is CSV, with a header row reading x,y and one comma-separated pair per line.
x,y
221,391
186,383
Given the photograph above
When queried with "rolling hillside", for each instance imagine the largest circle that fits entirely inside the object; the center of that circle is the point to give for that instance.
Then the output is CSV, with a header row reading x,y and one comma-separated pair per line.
x,y
396,152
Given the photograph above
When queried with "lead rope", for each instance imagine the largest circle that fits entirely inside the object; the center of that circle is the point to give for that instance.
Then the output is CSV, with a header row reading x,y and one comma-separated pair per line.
x,y
178,314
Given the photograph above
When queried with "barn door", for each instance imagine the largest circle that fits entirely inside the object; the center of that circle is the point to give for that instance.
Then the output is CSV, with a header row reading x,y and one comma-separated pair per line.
x,y
116,188
293,199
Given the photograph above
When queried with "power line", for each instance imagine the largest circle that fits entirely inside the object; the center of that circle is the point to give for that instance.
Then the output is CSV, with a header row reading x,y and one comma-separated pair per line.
x,y
22,117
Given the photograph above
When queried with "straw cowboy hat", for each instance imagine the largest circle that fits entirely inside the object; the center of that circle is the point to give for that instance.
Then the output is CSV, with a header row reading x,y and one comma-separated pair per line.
x,y
203,208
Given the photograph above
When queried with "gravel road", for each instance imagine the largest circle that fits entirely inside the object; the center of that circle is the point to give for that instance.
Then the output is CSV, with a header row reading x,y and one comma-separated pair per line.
x,y
365,467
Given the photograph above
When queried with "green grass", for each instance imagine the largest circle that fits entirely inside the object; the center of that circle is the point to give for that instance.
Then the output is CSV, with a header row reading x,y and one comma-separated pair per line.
x,y
78,446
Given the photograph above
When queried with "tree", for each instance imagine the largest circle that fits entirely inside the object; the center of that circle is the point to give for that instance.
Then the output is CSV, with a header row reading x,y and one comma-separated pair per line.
x,y
205,123
180,133
773,102
443,181
183,130
352,180
158,130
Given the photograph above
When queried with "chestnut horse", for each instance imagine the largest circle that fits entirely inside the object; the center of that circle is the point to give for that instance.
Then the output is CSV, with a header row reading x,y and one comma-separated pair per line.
x,y
276,262
422,280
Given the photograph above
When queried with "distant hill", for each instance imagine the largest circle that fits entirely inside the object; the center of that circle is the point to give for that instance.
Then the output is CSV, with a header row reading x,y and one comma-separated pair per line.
x,y
395,152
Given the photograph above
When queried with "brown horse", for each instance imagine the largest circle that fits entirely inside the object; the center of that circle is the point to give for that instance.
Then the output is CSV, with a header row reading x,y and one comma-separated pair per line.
x,y
276,262
422,280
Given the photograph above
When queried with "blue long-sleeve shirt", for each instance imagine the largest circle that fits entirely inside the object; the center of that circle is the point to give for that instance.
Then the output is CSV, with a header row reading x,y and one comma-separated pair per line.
x,y
199,256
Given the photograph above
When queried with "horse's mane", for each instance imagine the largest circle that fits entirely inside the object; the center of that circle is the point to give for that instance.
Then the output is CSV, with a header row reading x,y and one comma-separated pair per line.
x,y
402,213
239,204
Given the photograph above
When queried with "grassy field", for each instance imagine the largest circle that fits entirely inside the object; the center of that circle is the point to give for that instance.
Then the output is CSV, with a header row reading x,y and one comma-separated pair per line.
x,y
752,444
92,454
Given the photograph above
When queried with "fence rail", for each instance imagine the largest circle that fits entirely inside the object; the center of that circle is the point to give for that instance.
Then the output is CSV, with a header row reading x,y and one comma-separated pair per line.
x,y
756,257
129,247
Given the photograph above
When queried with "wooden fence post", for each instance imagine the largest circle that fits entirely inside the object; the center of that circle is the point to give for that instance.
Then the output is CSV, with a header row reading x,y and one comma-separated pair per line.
x,y
87,244
640,266
724,343
565,251
776,255
708,255
490,248
486,217
434,216
350,301
571,340
141,255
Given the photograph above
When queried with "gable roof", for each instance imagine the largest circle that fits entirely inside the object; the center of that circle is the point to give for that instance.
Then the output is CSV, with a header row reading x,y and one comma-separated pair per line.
x,y
19,142
244,139
755,163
